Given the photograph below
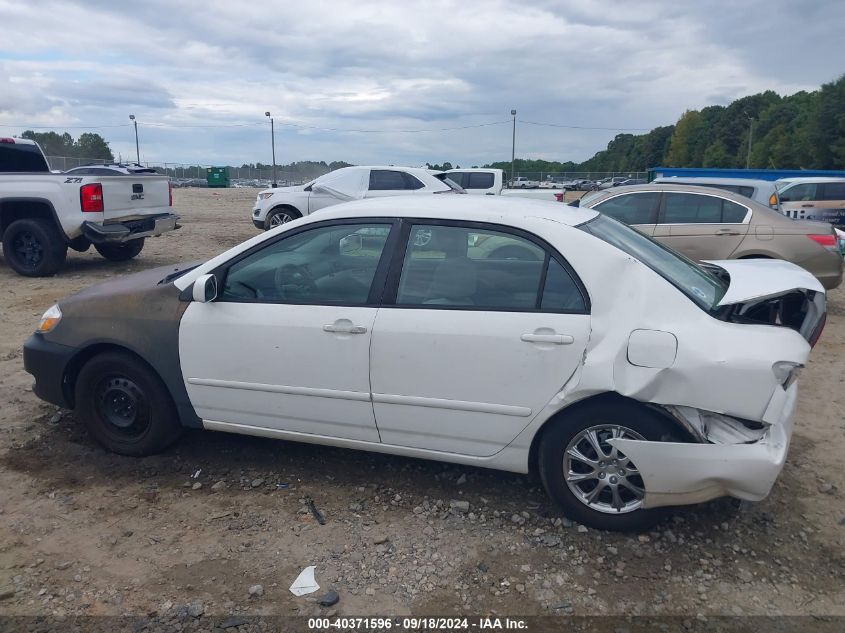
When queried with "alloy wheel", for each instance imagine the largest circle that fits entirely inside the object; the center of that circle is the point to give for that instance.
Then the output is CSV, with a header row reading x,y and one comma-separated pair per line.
x,y
601,476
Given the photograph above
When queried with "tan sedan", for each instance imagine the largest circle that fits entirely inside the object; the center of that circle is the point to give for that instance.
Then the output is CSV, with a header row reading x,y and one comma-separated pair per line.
x,y
709,224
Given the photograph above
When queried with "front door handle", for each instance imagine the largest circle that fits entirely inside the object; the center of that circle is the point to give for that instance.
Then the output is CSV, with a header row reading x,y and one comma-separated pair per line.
x,y
339,328
556,339
807,206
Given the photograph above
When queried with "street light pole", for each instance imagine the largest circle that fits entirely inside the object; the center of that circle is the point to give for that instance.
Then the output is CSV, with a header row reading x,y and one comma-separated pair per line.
x,y
513,147
750,135
273,143
137,151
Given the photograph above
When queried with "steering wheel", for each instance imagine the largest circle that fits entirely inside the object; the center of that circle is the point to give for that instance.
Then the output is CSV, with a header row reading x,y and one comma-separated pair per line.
x,y
291,277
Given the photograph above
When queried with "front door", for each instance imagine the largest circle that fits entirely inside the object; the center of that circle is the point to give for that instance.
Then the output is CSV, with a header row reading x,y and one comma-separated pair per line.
x,y
702,226
286,344
478,333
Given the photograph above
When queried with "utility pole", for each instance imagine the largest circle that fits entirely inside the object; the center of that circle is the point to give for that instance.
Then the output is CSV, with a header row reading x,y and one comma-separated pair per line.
x,y
513,147
273,143
137,151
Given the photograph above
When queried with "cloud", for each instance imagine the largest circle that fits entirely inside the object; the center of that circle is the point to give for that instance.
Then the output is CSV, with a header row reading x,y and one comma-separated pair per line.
x,y
396,66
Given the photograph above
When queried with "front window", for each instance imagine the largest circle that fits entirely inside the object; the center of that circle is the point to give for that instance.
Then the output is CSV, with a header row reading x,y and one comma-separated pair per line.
x,y
704,289
328,265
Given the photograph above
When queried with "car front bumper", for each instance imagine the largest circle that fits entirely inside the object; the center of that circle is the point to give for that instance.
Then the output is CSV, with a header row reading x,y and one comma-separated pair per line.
x,y
47,362
117,232
680,474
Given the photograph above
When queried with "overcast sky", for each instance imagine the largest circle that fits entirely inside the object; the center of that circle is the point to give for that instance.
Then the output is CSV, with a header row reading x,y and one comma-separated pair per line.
x,y
392,67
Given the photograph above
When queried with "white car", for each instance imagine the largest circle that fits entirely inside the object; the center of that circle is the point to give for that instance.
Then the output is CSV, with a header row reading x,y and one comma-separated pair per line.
x,y
274,207
629,376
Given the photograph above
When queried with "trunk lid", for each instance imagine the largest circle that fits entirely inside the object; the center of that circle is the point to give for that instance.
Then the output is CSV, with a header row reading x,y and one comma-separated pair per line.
x,y
133,196
773,292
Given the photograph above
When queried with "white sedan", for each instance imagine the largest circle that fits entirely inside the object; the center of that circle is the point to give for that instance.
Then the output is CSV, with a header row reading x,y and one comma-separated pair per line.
x,y
506,333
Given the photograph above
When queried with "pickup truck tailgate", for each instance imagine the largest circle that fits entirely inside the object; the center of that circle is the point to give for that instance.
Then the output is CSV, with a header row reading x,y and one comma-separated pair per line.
x,y
134,197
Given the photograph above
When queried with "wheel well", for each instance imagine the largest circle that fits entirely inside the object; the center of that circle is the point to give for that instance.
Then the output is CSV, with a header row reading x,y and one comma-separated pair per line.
x,y
286,207
11,210
592,401
83,356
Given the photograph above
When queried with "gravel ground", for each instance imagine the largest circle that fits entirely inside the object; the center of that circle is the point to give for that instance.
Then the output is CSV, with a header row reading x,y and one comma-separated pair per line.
x,y
221,525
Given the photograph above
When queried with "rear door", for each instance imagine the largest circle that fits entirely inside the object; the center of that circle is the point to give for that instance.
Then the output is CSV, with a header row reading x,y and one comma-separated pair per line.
x,y
133,197
702,226
637,209
481,327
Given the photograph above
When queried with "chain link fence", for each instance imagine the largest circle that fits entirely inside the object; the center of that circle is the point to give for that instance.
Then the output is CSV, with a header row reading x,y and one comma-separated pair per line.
x,y
578,180
194,175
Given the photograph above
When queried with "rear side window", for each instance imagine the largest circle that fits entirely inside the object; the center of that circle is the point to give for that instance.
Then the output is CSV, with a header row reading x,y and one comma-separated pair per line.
x,y
471,268
20,157
457,177
690,208
478,180
389,180
633,208
834,191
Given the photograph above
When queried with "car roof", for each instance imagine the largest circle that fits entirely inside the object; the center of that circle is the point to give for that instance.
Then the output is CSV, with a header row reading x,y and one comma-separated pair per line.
x,y
450,206
679,187
810,180
691,180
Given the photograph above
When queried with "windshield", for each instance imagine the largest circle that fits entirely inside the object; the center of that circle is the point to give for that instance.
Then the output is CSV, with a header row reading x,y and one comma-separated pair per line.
x,y
694,281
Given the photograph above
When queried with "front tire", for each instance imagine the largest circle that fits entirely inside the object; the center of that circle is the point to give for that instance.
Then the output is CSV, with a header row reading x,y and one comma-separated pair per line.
x,y
594,483
122,251
278,217
125,406
34,248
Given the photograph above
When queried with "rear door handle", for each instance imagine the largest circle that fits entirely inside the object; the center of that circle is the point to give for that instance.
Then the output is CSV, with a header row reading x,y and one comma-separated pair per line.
x,y
557,339
727,232
807,206
345,329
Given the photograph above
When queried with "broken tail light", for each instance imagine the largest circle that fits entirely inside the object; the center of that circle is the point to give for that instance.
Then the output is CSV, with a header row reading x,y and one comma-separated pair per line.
x,y
91,198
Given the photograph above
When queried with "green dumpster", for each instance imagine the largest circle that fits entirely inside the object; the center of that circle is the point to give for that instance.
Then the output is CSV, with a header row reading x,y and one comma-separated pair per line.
x,y
217,176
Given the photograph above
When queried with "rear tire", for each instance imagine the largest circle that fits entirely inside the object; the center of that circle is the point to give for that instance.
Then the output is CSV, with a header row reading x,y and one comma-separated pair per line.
x,y
34,247
125,406
122,251
572,431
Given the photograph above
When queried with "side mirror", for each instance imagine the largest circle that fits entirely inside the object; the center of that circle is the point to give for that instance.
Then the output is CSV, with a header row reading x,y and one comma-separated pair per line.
x,y
351,244
205,288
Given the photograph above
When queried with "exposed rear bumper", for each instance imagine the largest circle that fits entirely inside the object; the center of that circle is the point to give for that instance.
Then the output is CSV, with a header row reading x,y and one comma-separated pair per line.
x,y
680,474
47,362
131,229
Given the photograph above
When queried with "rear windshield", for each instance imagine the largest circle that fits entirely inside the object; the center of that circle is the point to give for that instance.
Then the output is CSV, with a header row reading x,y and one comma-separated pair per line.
x,y
21,157
696,283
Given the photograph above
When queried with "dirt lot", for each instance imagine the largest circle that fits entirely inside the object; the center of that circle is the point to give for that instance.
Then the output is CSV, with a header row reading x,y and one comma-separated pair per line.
x,y
89,533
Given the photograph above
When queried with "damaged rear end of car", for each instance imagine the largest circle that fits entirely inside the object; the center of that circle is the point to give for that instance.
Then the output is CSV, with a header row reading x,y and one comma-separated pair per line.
x,y
741,439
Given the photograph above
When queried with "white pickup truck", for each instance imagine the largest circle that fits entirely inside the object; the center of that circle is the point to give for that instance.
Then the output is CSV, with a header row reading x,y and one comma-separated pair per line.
x,y
42,213
491,182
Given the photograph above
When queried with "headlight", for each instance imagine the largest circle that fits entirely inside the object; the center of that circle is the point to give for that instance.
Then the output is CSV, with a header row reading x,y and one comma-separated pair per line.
x,y
50,319
786,372
265,195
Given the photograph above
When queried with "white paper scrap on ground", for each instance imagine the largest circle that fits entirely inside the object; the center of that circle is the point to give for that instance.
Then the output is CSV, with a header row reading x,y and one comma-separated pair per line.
x,y
304,583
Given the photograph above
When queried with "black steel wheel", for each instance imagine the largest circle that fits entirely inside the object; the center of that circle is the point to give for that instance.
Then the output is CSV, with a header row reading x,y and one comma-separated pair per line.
x,y
125,406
